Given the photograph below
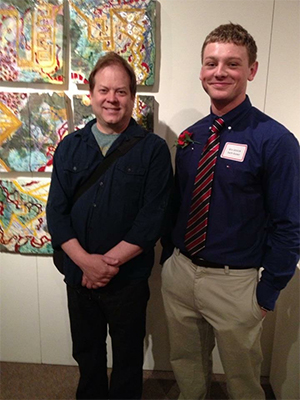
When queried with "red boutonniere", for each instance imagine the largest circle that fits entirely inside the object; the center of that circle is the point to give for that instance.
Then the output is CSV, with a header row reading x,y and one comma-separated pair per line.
x,y
184,139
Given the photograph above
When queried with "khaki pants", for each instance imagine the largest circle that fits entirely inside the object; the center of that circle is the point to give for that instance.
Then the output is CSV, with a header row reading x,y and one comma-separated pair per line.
x,y
207,304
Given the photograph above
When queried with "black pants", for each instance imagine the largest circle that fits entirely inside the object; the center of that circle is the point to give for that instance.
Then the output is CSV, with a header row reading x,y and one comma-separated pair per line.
x,y
122,307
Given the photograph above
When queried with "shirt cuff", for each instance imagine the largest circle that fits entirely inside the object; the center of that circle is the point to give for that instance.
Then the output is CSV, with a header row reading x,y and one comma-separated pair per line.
x,y
266,295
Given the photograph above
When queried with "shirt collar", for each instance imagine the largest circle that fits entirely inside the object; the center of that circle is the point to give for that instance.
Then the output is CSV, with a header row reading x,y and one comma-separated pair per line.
x,y
236,114
131,130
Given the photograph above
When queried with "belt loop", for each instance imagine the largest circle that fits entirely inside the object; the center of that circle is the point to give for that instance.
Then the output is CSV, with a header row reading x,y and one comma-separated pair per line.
x,y
226,269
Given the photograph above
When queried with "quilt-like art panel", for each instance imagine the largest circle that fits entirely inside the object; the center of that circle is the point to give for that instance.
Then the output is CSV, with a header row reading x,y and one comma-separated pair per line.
x,y
126,27
31,41
23,226
31,125
143,111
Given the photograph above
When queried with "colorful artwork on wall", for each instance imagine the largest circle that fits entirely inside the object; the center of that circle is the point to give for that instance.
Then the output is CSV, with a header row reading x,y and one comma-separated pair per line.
x,y
126,27
31,41
142,112
31,125
23,226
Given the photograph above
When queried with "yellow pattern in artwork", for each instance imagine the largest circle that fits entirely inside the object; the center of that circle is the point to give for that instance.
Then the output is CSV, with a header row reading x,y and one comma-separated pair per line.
x,y
39,53
9,123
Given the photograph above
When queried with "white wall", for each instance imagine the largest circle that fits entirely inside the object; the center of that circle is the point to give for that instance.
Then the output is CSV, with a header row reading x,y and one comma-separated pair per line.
x,y
285,372
34,321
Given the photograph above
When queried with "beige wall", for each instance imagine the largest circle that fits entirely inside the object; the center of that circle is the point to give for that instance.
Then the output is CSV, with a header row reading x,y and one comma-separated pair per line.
x,y
34,321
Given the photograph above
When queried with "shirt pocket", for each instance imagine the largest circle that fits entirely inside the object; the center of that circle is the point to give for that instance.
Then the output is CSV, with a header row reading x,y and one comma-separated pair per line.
x,y
76,166
76,173
129,182
131,170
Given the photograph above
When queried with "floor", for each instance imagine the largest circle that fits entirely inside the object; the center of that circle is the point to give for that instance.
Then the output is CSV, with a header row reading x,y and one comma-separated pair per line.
x,y
49,382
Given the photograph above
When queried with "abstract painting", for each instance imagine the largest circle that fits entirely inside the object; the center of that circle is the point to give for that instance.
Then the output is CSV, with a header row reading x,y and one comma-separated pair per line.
x,y
23,227
142,112
31,41
31,125
126,27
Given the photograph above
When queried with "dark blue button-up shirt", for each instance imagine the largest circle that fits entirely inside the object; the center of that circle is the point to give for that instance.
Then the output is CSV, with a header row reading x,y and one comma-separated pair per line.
x,y
128,202
254,208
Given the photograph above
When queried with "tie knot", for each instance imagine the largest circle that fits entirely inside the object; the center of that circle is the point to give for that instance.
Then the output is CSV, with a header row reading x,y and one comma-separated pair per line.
x,y
217,125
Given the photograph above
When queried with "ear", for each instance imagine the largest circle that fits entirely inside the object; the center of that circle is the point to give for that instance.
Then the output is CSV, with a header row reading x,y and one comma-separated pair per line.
x,y
200,76
252,71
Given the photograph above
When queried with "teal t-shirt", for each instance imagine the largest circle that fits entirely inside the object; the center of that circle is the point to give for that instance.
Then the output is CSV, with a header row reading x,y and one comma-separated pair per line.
x,y
104,140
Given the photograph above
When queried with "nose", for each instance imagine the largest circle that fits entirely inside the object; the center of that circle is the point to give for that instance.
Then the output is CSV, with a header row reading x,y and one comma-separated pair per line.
x,y
111,96
220,70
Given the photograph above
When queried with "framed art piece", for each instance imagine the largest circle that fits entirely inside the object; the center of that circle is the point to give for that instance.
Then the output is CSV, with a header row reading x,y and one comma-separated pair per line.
x,y
23,227
31,125
31,41
123,26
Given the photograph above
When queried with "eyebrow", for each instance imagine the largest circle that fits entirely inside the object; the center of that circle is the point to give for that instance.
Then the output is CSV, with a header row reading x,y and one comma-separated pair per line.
x,y
106,87
226,58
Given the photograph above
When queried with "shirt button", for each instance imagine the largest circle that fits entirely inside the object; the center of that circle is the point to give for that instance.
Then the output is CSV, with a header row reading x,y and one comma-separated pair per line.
x,y
94,205
101,183
128,169
74,168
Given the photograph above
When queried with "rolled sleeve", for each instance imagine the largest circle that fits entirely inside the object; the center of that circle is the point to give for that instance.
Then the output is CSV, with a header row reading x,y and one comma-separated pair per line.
x,y
147,226
59,205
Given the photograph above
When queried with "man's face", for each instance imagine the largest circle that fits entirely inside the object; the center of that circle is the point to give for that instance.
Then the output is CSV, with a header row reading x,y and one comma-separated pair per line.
x,y
224,75
111,100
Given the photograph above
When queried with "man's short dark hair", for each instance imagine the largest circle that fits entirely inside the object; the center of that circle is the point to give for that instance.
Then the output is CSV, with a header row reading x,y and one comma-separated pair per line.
x,y
232,33
112,58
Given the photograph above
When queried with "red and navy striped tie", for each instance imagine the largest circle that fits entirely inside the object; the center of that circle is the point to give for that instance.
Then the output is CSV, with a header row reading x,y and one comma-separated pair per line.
x,y
195,235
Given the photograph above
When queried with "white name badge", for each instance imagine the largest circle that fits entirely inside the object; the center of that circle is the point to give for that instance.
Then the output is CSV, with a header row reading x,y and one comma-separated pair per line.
x,y
234,151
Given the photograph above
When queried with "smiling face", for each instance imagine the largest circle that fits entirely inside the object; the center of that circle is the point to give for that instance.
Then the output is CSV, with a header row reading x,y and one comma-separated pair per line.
x,y
224,75
111,99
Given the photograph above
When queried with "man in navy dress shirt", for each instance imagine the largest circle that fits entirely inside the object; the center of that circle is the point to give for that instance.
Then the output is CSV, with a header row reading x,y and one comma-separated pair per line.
x,y
218,294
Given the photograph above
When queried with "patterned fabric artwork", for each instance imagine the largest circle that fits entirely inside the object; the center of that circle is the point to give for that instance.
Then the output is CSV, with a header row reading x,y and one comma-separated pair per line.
x,y
126,27
142,112
31,41
22,216
31,125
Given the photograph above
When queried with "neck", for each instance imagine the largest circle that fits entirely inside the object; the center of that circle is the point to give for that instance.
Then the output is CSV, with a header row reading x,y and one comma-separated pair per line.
x,y
220,108
110,129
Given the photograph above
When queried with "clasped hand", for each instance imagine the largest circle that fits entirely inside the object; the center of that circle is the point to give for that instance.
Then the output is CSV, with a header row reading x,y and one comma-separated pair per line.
x,y
100,270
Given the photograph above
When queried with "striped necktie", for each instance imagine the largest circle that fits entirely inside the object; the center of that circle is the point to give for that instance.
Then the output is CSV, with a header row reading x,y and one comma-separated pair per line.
x,y
195,235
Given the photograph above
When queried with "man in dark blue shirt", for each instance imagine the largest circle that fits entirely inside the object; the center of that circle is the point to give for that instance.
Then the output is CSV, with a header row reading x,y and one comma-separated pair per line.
x,y
108,235
235,209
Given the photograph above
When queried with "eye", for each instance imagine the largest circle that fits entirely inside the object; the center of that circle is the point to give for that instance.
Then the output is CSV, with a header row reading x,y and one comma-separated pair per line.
x,y
233,64
122,92
102,91
210,64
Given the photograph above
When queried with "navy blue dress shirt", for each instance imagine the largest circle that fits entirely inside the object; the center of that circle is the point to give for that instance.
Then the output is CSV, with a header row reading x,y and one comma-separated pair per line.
x,y
128,203
254,208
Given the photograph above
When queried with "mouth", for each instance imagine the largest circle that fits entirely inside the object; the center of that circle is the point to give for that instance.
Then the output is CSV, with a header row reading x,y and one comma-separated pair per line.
x,y
220,83
111,109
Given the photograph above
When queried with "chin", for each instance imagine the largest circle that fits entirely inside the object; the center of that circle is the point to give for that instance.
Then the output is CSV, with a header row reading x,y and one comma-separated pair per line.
x,y
219,96
111,122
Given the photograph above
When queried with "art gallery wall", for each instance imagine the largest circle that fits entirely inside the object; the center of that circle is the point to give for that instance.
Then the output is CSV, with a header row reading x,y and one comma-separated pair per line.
x,y
34,320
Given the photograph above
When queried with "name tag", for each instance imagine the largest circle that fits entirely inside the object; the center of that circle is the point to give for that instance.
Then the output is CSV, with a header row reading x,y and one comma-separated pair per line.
x,y
234,151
